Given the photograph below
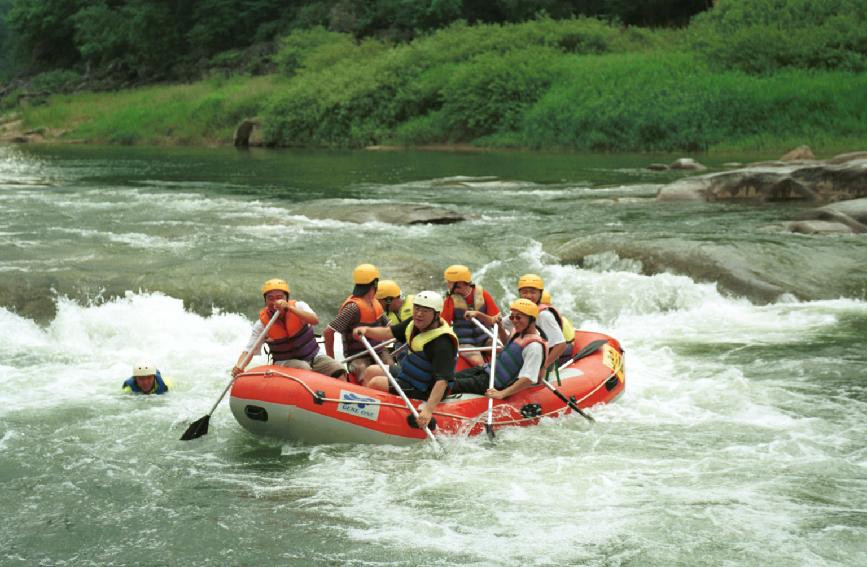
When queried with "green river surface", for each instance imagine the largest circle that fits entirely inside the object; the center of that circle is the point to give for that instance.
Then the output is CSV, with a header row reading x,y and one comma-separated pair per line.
x,y
741,438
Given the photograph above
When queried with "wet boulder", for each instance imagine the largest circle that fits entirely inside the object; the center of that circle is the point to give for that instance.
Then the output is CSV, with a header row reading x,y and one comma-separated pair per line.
x,y
819,227
687,164
816,181
799,153
244,132
848,216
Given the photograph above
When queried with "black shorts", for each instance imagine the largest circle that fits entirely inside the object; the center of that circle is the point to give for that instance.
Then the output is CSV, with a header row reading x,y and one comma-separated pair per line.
x,y
472,380
410,392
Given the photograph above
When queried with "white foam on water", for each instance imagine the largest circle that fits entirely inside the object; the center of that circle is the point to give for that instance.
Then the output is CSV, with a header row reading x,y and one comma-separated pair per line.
x,y
86,352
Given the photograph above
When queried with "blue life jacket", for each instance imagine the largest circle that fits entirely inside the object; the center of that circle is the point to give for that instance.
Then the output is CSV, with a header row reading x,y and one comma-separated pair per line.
x,y
416,369
511,359
469,333
160,386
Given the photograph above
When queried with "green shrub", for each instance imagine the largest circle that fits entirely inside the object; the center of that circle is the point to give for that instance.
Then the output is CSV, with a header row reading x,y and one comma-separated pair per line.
x,y
57,81
491,92
760,36
672,102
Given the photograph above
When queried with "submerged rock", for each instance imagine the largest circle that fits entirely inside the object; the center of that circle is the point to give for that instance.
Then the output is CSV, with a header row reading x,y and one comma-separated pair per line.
x,y
387,212
761,269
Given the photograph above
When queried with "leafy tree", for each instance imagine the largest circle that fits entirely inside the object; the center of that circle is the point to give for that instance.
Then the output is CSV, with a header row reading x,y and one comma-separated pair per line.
x,y
44,31
760,36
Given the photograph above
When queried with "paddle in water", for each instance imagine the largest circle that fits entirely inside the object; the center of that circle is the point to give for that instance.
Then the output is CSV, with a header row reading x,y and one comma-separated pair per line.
x,y
200,426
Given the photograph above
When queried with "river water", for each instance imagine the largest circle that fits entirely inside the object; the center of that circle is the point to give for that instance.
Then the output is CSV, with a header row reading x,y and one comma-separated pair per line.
x,y
740,438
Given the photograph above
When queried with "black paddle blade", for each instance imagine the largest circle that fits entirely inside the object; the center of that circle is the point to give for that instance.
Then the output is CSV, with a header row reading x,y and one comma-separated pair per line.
x,y
589,349
489,429
196,429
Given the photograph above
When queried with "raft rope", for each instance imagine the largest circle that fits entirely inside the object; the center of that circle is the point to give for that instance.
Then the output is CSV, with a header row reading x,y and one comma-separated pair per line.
x,y
473,420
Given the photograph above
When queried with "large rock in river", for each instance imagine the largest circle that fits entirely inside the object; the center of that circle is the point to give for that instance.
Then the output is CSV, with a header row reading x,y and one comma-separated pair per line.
x,y
842,217
819,181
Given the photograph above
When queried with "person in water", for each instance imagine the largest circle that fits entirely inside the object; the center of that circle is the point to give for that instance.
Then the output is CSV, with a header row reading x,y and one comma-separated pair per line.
x,y
146,379
464,296
396,307
360,308
427,369
291,340
519,364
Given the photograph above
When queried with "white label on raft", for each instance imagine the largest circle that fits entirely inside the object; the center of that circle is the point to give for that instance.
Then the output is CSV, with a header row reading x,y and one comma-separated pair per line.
x,y
568,373
359,406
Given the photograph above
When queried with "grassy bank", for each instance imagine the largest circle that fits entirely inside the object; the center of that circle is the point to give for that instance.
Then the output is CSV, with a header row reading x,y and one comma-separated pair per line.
x,y
571,84
203,113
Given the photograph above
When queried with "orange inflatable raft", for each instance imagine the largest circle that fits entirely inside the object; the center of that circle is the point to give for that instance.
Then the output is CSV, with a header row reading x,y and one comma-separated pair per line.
x,y
302,405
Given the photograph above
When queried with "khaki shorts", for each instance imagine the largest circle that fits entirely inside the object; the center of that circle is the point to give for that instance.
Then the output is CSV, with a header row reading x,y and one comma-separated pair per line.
x,y
358,365
322,364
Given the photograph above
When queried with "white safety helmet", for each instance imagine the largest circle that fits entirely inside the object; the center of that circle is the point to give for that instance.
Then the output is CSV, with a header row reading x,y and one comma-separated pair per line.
x,y
144,369
430,299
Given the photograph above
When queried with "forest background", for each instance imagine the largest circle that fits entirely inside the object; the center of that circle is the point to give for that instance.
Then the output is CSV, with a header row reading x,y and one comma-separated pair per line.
x,y
613,75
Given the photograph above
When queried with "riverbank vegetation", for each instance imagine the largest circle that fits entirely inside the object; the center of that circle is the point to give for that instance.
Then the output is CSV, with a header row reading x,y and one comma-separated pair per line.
x,y
747,74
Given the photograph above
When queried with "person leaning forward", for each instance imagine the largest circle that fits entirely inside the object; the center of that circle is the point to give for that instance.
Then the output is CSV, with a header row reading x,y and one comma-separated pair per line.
x,y
291,340
425,372
360,308
520,362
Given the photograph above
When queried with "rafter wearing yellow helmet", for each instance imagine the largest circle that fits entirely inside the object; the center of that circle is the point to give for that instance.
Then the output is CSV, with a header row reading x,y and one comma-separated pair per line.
x,y
464,297
531,287
361,308
519,364
291,339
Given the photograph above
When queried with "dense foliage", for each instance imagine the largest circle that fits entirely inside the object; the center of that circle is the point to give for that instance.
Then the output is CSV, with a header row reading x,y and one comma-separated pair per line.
x,y
760,36
748,73
157,39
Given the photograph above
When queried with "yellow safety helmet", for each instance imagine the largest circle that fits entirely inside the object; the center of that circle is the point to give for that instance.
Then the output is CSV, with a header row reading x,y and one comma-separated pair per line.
x,y
531,280
364,274
387,288
526,307
546,297
275,284
458,273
